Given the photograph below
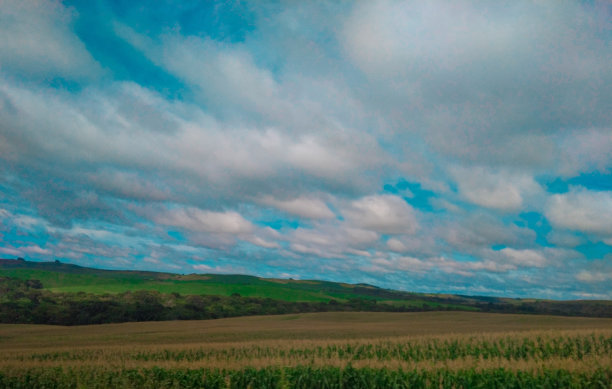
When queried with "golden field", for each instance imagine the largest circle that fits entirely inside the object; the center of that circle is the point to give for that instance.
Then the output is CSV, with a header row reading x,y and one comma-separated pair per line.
x,y
430,345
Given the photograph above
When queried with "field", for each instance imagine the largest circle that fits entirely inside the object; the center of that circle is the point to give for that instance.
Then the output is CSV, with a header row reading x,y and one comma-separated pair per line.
x,y
326,350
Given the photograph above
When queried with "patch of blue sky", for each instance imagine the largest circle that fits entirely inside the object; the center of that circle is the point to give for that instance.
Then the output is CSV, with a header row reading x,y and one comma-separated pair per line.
x,y
594,250
413,193
176,235
596,181
463,257
282,223
17,237
64,84
593,180
227,21
557,185
536,222
125,62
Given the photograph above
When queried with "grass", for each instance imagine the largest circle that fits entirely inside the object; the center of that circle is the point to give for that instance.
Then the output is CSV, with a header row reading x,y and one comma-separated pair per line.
x,y
225,285
59,277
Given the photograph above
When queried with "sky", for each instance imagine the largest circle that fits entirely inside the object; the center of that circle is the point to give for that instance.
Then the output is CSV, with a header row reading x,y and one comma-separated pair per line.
x,y
457,147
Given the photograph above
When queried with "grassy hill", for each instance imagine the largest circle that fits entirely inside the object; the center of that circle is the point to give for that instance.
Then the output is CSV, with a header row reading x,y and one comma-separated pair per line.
x,y
67,278
59,277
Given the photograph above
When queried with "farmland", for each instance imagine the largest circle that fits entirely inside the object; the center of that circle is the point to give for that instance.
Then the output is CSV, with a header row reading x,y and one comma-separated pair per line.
x,y
342,349
323,341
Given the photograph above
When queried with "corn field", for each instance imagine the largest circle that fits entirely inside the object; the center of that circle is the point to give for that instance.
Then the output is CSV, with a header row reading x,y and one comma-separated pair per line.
x,y
305,377
541,359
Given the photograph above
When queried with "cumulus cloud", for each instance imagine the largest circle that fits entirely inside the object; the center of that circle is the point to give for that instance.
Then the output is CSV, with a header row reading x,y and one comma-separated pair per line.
x,y
128,185
34,251
37,40
500,190
495,80
331,240
565,239
437,264
386,214
472,233
198,220
396,245
307,207
220,269
184,140
403,264
526,258
585,151
591,277
581,210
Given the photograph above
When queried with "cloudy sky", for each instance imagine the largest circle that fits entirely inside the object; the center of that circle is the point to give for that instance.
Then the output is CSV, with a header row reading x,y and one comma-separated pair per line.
x,y
461,147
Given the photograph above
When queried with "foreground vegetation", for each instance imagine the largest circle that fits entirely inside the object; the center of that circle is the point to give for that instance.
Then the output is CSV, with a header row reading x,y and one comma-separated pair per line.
x,y
307,378
330,350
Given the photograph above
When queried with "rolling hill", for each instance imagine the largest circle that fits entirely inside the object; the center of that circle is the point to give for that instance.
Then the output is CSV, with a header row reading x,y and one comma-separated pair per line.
x,y
58,277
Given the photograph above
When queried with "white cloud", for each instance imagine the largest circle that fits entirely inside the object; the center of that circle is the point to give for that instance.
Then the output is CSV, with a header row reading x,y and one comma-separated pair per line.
x,y
198,220
307,207
440,263
36,39
221,269
396,245
172,144
10,251
479,230
564,239
385,37
258,241
397,264
481,83
584,151
289,120
24,222
33,250
385,214
524,258
593,276
332,239
128,185
501,190
582,210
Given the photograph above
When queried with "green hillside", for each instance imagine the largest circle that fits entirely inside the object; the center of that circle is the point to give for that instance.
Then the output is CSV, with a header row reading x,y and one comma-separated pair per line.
x,y
59,277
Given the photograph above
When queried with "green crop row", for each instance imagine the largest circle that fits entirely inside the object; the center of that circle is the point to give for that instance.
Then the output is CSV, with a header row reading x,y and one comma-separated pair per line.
x,y
302,377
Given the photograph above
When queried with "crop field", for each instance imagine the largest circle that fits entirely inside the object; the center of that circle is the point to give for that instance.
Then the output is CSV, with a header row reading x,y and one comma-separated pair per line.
x,y
321,350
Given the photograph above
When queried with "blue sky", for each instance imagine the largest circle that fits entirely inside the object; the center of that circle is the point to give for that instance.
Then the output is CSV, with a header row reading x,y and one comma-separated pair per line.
x,y
461,147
